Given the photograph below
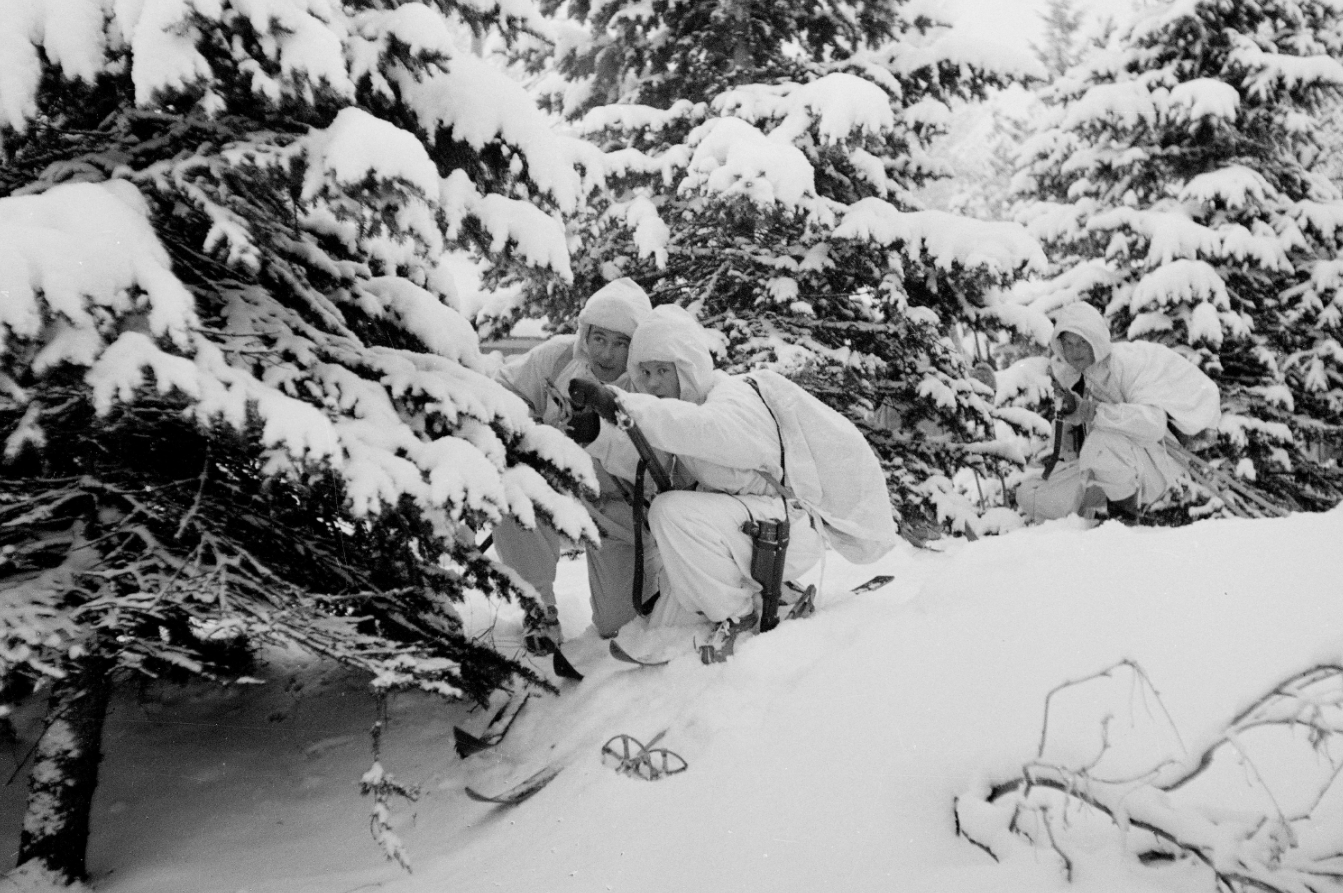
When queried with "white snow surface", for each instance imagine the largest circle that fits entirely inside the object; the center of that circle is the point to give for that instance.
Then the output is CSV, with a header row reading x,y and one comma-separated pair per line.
x,y
824,756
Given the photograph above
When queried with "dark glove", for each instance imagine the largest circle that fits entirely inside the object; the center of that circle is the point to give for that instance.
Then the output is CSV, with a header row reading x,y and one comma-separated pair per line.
x,y
593,396
584,427
1083,413
1067,402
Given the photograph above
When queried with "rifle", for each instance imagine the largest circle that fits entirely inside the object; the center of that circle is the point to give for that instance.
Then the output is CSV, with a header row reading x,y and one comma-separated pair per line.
x,y
599,398
1065,405
645,450
588,395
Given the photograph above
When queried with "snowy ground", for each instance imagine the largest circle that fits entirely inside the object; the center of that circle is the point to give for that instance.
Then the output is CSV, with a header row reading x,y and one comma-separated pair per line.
x,y
825,756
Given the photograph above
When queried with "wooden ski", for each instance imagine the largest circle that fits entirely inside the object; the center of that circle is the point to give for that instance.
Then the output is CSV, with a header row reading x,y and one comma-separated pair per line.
x,y
520,791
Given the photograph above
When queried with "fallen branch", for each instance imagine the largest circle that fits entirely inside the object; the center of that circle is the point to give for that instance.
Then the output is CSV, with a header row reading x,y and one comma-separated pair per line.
x,y
1257,851
1218,482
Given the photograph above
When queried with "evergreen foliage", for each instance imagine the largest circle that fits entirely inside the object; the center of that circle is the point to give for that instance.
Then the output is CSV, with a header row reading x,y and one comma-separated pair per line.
x,y
237,402
1173,187
1061,48
770,182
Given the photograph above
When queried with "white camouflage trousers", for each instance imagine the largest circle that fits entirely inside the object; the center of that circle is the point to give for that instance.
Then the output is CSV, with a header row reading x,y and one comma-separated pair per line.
x,y
706,558
1119,465
535,555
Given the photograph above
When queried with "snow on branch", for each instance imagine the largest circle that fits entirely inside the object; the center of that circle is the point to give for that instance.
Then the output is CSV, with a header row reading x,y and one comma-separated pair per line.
x,y
1202,98
1324,218
478,104
633,117
538,237
999,248
358,146
1127,103
306,46
1170,234
958,50
79,251
1234,186
838,105
1272,73
1180,282
731,158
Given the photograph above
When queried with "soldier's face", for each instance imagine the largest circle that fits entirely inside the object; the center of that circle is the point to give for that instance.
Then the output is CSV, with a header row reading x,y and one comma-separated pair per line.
x,y
1076,351
659,379
610,350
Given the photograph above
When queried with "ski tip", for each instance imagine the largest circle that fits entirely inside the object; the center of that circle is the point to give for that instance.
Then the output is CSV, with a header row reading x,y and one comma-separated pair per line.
x,y
622,655
467,744
875,583
564,669
519,792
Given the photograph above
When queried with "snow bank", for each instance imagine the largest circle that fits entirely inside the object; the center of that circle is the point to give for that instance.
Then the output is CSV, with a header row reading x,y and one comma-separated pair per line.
x,y
824,755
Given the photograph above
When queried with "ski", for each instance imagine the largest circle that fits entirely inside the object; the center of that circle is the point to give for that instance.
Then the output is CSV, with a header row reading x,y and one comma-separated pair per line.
x,y
805,606
876,582
499,724
520,791
621,654
559,663
563,668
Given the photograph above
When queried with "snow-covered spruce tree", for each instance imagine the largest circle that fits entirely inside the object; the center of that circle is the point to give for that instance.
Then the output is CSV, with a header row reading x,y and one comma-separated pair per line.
x,y
237,404
770,153
985,139
1329,161
1061,46
1173,189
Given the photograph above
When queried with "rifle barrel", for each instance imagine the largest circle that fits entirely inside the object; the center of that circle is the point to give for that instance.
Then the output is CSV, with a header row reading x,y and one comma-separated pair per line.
x,y
645,450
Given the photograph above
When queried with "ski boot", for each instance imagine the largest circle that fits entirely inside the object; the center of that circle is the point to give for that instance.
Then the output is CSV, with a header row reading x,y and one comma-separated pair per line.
x,y
1125,510
1095,505
723,638
541,630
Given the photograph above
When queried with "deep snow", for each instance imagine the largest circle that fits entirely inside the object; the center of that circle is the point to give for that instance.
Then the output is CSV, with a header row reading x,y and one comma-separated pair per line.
x,y
825,755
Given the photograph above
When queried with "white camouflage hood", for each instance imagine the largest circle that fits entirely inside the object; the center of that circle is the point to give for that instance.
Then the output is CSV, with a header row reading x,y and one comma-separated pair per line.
x,y
670,334
619,306
1086,321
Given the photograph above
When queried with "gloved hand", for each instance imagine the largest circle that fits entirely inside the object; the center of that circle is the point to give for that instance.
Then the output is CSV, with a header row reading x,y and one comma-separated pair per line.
x,y
584,426
593,396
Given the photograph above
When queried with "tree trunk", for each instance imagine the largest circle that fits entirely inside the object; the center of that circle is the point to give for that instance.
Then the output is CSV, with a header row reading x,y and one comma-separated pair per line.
x,y
65,772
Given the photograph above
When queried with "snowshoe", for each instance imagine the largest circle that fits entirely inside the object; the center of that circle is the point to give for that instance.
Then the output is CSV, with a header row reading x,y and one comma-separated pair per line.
x,y
629,756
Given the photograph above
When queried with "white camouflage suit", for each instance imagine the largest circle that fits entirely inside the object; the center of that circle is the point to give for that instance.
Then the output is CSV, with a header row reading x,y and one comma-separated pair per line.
x,y
721,435
538,376
1140,387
